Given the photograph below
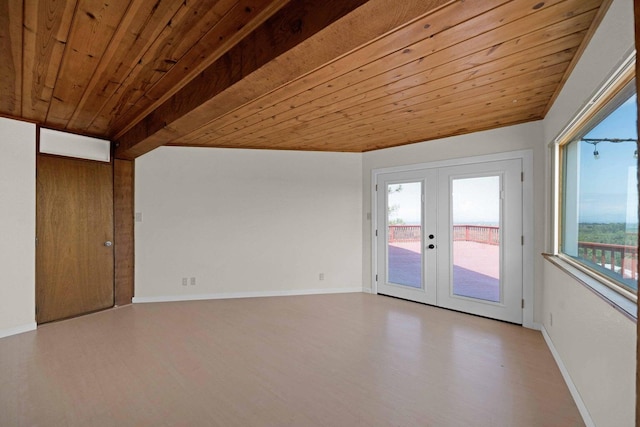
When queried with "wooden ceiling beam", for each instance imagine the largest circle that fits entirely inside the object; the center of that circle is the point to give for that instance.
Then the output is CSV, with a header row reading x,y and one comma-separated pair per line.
x,y
195,37
280,51
290,26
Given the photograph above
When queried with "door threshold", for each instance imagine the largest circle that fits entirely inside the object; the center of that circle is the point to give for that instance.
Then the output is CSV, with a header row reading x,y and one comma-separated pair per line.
x,y
450,309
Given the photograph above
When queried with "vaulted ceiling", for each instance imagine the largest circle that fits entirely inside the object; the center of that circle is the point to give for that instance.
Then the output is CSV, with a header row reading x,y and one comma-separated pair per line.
x,y
328,75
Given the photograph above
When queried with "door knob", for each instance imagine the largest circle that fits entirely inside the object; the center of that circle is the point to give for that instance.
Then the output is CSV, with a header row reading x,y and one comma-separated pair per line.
x,y
108,243
431,236
431,246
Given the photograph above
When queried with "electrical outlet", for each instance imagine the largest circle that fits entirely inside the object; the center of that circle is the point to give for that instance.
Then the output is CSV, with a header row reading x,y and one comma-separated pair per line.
x,y
184,281
193,281
321,276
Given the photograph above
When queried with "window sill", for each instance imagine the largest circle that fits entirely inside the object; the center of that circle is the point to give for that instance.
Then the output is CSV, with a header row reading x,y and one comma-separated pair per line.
x,y
619,302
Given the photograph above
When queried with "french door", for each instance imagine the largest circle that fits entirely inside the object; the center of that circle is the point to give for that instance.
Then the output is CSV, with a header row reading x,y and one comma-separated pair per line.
x,y
452,237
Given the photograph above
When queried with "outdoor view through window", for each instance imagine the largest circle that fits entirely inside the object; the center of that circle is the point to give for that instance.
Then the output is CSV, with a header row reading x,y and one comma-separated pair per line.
x,y
600,198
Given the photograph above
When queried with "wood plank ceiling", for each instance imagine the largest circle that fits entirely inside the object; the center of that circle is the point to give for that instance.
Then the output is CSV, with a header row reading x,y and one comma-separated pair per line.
x,y
328,75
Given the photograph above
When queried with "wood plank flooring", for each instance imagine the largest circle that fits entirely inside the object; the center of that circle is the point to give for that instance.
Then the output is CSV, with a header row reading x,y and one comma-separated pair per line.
x,y
326,360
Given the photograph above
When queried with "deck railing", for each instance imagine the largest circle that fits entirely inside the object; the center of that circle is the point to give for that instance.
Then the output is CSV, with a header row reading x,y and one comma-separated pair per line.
x,y
470,233
620,259
404,233
488,235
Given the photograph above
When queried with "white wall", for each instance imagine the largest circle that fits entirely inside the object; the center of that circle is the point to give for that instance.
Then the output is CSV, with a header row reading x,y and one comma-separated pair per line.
x,y
247,222
17,226
594,341
596,345
512,138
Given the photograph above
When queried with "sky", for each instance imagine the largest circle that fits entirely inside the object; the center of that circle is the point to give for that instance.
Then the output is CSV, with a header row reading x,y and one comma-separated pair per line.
x,y
608,184
474,201
405,201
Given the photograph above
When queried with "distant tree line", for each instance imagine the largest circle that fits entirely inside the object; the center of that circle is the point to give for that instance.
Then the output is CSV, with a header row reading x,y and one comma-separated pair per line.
x,y
617,233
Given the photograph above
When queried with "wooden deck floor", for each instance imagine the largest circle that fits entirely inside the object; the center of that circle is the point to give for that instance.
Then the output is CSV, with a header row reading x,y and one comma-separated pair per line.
x,y
476,268
326,360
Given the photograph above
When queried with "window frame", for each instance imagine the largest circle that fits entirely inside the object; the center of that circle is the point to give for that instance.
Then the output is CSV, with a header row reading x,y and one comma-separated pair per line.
x,y
610,95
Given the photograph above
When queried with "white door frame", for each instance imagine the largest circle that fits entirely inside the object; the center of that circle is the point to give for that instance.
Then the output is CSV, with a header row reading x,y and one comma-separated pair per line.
x,y
527,217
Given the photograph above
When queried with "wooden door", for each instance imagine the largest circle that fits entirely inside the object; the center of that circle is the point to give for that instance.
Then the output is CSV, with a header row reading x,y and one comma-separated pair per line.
x,y
74,229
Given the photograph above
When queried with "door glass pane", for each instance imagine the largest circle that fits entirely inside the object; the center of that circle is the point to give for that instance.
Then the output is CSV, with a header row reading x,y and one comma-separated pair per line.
x,y
404,234
475,205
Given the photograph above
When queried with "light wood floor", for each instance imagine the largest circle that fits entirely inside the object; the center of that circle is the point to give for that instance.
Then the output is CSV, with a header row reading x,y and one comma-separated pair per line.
x,y
327,360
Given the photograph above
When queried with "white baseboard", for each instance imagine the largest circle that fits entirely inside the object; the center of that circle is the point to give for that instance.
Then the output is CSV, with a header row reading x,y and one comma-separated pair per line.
x,y
171,298
586,417
18,329
367,290
534,325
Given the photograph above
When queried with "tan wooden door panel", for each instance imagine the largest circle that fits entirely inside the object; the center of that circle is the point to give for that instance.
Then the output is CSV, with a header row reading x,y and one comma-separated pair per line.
x,y
74,222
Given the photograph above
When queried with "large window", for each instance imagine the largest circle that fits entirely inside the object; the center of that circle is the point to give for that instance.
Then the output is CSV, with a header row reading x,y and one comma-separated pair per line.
x,y
598,229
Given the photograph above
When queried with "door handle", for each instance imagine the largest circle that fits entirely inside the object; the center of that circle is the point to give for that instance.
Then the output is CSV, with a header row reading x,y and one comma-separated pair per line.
x,y
108,243
431,246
